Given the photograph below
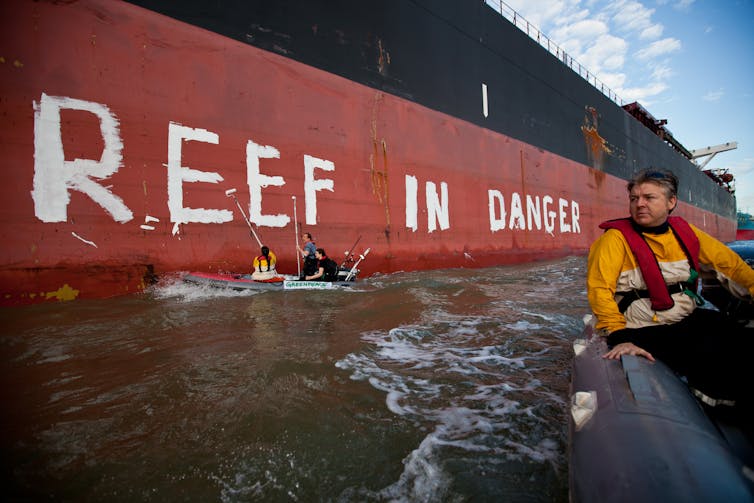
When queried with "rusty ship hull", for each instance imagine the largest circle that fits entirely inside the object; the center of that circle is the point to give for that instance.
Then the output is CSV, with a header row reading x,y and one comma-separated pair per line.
x,y
436,131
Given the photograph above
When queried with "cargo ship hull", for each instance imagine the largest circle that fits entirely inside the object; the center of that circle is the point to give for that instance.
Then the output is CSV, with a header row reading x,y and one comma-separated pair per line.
x,y
125,127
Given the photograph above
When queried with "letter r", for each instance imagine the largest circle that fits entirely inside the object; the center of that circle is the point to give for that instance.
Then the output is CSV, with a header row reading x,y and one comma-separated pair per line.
x,y
54,176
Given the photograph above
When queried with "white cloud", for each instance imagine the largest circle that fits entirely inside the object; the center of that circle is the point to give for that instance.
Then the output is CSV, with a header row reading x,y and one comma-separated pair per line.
x,y
585,28
661,71
631,16
651,32
659,48
678,5
606,53
714,95
642,93
574,16
574,38
683,4
613,80
543,12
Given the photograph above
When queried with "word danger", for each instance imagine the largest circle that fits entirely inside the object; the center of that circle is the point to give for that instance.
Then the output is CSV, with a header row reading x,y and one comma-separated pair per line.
x,y
562,215
55,177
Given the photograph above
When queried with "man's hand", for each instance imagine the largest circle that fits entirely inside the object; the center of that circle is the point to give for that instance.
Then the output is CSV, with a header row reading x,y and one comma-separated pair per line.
x,y
627,348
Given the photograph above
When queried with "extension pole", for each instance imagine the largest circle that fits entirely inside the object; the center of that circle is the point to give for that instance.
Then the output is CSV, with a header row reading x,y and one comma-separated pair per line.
x,y
232,193
295,229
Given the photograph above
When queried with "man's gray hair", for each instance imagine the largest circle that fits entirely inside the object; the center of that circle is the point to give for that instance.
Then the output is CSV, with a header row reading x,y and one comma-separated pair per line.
x,y
664,178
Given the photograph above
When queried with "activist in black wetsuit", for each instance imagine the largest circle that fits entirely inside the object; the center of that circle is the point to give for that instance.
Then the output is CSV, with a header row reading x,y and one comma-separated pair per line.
x,y
327,268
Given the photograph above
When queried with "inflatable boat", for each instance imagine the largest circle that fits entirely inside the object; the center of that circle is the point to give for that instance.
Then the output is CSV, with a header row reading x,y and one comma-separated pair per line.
x,y
639,434
245,282
347,273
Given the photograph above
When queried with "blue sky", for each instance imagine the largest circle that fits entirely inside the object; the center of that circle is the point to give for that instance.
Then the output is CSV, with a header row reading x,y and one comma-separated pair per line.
x,y
688,61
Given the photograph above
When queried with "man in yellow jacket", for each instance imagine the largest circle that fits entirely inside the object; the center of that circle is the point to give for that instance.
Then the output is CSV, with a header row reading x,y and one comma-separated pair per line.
x,y
642,282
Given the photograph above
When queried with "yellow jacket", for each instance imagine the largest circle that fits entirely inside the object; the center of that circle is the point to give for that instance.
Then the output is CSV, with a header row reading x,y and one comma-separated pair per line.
x,y
612,267
260,263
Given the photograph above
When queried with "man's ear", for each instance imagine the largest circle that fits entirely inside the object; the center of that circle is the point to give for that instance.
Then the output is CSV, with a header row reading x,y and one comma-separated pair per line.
x,y
674,202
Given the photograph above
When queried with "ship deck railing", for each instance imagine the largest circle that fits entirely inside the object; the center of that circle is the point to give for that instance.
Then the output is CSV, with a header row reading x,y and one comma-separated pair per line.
x,y
535,34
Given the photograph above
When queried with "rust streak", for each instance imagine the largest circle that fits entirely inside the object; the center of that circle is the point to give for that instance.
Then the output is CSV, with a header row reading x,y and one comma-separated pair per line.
x,y
383,60
595,143
379,177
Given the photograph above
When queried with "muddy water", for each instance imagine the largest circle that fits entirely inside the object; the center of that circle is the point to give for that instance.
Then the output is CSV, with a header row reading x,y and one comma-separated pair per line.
x,y
431,386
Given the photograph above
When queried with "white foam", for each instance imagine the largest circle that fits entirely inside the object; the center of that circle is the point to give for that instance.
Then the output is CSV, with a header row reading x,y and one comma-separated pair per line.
x,y
445,371
173,287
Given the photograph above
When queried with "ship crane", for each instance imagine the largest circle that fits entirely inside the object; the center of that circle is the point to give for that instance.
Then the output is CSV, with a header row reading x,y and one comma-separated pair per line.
x,y
721,176
712,151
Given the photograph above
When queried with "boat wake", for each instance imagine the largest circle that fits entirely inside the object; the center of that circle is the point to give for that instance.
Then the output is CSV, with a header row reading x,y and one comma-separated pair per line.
x,y
475,386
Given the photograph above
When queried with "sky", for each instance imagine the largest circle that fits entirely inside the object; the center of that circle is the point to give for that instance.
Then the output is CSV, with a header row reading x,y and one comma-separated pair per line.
x,y
688,61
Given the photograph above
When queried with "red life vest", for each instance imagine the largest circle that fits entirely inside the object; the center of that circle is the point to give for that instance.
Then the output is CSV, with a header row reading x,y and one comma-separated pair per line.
x,y
263,261
650,269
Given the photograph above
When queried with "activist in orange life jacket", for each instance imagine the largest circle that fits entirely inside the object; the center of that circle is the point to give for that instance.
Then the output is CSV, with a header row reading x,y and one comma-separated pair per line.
x,y
642,279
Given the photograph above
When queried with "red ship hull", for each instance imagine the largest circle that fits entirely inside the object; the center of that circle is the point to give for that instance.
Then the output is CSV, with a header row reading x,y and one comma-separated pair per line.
x,y
123,129
744,234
